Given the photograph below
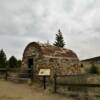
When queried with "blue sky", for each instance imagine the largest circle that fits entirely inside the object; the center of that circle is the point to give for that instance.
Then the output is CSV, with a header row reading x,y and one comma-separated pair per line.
x,y
23,21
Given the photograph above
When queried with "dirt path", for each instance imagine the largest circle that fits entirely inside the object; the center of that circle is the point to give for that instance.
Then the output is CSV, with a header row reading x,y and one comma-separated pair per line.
x,y
13,91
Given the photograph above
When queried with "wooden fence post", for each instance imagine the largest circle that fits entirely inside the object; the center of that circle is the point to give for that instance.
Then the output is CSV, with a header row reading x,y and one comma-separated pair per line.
x,y
6,74
44,82
31,76
55,83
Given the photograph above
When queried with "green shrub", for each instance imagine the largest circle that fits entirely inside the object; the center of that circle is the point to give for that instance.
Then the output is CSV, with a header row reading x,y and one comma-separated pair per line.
x,y
94,69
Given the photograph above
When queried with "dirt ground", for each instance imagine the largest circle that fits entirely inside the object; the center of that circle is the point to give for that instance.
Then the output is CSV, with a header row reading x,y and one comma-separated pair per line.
x,y
15,91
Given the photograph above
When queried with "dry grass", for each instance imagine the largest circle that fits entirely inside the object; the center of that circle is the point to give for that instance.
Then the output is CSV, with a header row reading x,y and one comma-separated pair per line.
x,y
14,91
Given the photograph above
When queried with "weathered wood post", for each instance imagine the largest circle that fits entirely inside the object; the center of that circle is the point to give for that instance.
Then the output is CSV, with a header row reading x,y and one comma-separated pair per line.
x,y
44,82
55,83
6,74
31,76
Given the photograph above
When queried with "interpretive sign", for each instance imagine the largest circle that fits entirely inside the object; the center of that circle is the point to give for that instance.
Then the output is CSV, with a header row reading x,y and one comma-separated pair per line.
x,y
44,72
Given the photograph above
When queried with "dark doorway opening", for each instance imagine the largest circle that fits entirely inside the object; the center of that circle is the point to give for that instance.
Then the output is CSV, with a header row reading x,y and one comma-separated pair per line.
x,y
30,67
30,63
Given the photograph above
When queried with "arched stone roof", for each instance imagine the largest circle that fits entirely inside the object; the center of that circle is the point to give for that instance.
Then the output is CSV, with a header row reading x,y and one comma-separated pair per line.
x,y
51,51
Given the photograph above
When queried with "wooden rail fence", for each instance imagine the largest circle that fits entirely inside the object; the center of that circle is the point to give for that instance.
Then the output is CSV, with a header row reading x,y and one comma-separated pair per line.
x,y
72,84
21,75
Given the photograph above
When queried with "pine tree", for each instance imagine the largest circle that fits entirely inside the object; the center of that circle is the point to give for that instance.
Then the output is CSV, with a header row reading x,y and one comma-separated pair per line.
x,y
12,62
3,59
59,40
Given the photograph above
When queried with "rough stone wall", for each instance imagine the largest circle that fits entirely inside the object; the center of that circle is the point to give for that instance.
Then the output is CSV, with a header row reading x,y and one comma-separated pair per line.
x,y
62,65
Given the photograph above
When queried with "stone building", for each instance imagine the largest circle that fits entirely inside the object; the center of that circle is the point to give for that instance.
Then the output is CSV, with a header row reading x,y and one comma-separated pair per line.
x,y
60,60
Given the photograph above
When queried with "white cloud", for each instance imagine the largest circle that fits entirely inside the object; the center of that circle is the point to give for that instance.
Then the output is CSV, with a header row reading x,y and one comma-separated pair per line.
x,y
22,21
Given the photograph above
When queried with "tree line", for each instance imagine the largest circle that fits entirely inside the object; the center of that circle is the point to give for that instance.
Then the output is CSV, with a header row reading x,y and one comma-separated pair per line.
x,y
12,62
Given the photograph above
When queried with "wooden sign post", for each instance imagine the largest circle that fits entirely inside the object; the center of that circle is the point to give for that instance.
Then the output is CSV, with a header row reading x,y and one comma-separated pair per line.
x,y
44,73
